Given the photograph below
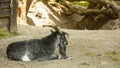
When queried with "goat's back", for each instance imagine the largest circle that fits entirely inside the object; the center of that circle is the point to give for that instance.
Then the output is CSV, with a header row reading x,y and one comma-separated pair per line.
x,y
34,48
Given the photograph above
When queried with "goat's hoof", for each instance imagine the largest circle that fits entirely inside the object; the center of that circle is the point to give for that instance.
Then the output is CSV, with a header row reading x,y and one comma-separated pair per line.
x,y
69,58
65,57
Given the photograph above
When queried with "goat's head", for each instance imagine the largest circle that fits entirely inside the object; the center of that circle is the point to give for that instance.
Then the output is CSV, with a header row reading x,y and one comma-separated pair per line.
x,y
60,34
61,40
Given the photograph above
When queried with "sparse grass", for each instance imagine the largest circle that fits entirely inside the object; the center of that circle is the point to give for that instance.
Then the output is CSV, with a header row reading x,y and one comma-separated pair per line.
x,y
85,63
4,33
113,55
92,54
15,33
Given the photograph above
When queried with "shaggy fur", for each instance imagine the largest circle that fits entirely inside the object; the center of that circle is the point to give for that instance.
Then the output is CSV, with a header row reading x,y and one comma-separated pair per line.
x,y
38,49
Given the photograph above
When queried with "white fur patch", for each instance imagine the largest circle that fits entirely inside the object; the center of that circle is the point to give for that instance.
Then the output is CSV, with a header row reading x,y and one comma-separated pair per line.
x,y
25,57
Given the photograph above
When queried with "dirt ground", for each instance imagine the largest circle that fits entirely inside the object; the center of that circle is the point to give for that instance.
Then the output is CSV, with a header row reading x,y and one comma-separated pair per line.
x,y
88,49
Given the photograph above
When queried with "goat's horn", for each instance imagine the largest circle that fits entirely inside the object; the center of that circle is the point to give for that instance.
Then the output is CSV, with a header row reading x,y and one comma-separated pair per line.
x,y
66,34
53,26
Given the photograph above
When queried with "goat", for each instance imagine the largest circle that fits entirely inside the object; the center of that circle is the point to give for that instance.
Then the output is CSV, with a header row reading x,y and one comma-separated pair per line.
x,y
39,49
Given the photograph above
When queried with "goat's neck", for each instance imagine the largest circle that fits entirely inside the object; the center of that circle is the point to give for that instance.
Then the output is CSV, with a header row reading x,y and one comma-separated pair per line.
x,y
50,39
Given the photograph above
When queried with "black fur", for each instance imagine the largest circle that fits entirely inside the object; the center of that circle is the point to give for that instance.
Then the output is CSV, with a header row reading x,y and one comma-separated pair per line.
x,y
39,49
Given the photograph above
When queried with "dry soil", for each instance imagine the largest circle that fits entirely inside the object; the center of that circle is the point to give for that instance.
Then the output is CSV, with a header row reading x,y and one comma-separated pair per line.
x,y
88,49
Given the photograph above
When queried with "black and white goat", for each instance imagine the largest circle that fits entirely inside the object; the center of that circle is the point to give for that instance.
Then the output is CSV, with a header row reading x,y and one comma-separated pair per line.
x,y
39,49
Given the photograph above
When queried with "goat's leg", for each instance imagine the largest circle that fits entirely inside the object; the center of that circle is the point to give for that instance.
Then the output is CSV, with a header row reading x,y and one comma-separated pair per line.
x,y
62,50
52,57
45,58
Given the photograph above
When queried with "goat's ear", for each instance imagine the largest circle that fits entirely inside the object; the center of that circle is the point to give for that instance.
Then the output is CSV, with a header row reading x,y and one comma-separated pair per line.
x,y
51,31
66,34
63,33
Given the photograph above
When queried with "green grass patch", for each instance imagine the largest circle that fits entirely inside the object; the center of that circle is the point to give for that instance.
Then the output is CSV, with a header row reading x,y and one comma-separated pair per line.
x,y
5,34
15,33
92,54
81,3
85,63
113,55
